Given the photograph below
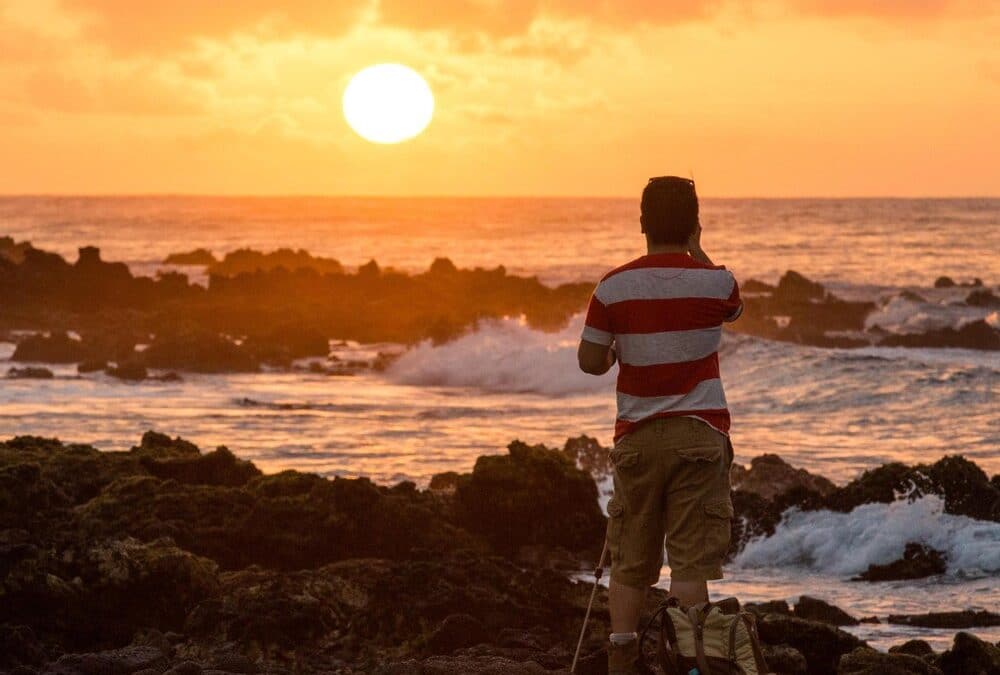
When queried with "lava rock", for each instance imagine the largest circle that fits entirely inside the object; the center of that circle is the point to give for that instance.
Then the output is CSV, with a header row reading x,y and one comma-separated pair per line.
x,y
819,610
964,619
822,645
54,348
198,352
973,335
917,562
455,632
220,467
944,282
970,656
199,256
770,475
913,648
91,366
131,371
982,298
867,661
531,495
30,373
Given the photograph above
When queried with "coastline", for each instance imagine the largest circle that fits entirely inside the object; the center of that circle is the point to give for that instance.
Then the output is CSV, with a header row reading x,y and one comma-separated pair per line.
x,y
176,558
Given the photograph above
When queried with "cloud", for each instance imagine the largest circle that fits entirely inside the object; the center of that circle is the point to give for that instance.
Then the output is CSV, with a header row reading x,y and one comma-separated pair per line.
x,y
131,26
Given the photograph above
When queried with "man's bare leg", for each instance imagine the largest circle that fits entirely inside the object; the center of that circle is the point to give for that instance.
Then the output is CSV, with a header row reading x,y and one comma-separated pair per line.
x,y
688,592
625,605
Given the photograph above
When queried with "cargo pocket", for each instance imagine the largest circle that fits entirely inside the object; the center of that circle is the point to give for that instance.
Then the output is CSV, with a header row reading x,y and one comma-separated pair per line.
x,y
718,529
623,458
708,454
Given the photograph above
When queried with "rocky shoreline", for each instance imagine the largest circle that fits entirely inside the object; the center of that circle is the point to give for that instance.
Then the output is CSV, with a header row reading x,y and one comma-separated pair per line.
x,y
169,559
269,309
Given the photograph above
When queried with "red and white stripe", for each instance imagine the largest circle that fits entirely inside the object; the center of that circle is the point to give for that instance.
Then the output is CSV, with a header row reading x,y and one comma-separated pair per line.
x,y
665,314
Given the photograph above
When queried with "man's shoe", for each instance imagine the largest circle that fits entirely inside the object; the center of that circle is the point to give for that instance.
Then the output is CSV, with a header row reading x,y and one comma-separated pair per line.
x,y
623,659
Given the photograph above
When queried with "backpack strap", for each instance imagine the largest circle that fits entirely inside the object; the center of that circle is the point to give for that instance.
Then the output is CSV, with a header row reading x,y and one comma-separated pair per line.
x,y
697,617
758,656
666,648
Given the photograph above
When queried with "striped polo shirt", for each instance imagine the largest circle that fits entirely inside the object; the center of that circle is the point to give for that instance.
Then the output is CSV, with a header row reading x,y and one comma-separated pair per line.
x,y
665,312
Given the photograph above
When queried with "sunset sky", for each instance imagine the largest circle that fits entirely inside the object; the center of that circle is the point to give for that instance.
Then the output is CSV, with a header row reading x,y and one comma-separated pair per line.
x,y
533,97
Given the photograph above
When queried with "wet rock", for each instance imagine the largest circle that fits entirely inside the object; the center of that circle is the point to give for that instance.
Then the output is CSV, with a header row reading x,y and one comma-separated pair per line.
x,y
794,287
160,446
589,455
19,646
753,286
198,256
965,488
284,343
822,645
912,297
54,348
455,632
770,475
446,482
970,656
964,619
913,648
867,661
982,298
29,373
532,495
220,467
129,371
973,335
944,282
248,261
91,366
198,352
769,607
815,609
917,562
784,660
118,662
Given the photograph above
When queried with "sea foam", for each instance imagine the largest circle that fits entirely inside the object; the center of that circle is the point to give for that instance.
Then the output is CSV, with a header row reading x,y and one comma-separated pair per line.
x,y
845,544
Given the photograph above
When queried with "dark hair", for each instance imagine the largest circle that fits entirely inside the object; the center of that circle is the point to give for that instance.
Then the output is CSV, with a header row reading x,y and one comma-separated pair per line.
x,y
669,209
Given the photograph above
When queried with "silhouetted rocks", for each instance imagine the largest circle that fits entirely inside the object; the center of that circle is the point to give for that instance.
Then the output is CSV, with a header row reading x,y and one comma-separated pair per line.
x,y
244,260
815,609
131,371
913,648
198,256
970,656
867,661
918,561
531,495
54,348
29,373
770,475
972,335
199,352
948,282
181,561
91,366
982,298
965,619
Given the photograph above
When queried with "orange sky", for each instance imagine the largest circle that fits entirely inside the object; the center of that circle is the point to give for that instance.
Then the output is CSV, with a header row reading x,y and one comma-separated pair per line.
x,y
547,97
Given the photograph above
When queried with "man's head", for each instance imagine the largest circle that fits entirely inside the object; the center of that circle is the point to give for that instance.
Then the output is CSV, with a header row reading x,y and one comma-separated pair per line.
x,y
669,210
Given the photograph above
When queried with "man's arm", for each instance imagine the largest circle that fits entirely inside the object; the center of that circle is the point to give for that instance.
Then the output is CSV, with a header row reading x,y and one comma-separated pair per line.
x,y
695,249
595,359
734,305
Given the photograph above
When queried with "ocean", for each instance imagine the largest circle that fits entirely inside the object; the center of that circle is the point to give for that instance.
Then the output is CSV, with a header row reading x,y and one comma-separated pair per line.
x,y
834,412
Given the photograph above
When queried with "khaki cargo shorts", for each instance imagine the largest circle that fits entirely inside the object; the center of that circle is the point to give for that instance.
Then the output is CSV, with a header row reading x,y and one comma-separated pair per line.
x,y
671,478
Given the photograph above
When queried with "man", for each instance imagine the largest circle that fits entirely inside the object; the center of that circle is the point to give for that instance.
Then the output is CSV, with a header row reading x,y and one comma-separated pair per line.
x,y
660,316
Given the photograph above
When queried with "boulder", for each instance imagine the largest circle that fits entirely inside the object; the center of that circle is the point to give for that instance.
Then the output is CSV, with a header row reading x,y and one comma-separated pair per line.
x,y
964,619
30,373
220,467
944,282
198,352
982,298
913,648
815,609
794,287
455,632
91,366
784,660
822,645
130,371
867,661
918,561
970,656
770,475
972,335
54,348
198,256
532,495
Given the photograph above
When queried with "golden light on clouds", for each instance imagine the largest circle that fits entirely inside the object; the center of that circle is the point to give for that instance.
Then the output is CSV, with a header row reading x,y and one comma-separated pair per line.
x,y
388,103
558,97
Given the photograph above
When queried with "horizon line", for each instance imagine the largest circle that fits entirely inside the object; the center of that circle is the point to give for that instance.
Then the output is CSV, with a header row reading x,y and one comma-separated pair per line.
x,y
307,195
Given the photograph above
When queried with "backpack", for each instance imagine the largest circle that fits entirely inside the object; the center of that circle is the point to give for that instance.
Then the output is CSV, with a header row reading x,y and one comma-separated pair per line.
x,y
709,639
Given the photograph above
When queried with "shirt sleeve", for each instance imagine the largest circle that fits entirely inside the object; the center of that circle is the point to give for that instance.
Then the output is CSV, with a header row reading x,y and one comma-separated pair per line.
x,y
733,306
597,326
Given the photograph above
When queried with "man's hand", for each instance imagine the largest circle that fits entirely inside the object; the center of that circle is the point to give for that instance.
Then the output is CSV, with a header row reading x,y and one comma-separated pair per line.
x,y
695,249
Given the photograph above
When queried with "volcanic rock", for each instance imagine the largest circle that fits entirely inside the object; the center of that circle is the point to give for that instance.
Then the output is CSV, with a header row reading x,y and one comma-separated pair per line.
x,y
54,348
917,562
973,335
770,475
29,373
822,645
970,656
819,610
913,648
198,352
132,371
867,661
199,256
965,619
982,298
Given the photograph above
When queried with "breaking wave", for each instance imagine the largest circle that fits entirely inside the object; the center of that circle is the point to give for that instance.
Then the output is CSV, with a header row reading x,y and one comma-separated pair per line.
x,y
844,544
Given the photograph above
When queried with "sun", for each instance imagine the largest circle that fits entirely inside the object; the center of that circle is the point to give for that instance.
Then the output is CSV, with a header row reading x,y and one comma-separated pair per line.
x,y
388,103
